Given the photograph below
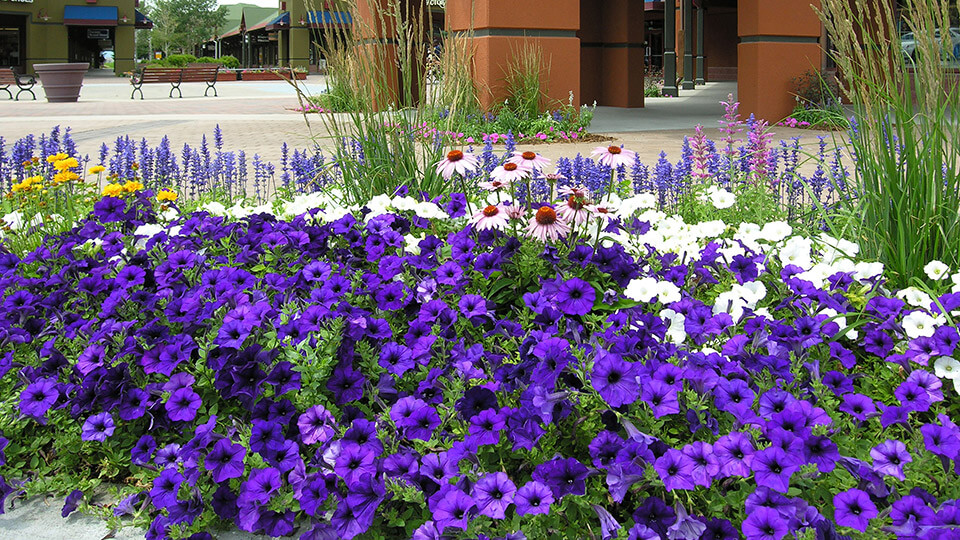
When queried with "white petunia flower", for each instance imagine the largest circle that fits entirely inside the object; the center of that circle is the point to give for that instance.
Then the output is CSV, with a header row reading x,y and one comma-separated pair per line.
x,y
867,270
776,231
642,289
215,208
722,199
796,251
947,367
936,270
919,324
956,282
915,297
676,332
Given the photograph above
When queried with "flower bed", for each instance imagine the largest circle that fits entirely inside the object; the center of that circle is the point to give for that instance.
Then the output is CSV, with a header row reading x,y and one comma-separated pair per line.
x,y
525,364
270,75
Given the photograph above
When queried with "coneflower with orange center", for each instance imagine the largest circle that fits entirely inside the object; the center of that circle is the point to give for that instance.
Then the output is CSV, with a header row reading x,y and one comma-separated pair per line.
x,y
509,172
457,162
491,217
530,160
547,225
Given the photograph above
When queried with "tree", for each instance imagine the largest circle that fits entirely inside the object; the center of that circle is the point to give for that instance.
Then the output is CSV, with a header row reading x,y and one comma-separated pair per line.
x,y
180,25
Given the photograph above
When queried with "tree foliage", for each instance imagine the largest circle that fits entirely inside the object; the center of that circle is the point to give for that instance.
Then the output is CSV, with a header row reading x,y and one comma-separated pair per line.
x,y
179,25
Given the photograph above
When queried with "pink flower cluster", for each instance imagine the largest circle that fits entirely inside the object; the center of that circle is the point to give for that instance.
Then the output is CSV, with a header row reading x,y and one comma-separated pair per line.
x,y
793,122
427,131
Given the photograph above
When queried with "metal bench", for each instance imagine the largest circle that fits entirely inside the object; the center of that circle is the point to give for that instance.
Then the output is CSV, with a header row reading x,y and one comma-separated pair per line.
x,y
205,73
24,82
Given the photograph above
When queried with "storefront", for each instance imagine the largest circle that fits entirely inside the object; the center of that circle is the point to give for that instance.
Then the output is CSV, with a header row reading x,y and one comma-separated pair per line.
x,y
48,31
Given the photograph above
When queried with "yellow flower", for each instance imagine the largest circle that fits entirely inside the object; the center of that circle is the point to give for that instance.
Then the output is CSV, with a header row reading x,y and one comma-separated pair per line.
x,y
63,177
166,195
97,169
65,164
112,190
132,185
56,157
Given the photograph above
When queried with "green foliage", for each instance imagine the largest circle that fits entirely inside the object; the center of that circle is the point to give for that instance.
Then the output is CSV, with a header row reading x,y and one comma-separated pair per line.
x,y
228,61
179,25
830,117
907,140
526,80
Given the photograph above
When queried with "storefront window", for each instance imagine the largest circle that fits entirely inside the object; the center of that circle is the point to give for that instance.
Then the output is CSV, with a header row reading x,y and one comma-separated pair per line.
x,y
10,53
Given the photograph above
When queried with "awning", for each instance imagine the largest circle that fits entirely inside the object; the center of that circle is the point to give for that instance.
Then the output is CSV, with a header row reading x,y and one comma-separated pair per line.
x,y
90,15
313,19
142,22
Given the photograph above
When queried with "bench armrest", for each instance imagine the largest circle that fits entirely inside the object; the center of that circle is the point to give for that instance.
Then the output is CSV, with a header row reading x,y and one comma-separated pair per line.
x,y
26,80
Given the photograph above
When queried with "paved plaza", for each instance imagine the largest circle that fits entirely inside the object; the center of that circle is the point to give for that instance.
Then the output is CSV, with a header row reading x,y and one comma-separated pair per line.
x,y
258,117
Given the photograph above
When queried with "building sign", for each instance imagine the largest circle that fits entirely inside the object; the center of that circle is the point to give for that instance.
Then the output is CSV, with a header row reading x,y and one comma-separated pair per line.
x,y
437,3
98,33
20,1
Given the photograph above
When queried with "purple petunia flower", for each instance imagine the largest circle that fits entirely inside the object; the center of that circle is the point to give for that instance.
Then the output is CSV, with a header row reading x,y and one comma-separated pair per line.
x,y
98,427
493,493
564,476
853,508
71,502
858,405
772,468
260,486
533,498
453,510
183,405
676,470
615,380
225,461
316,425
165,488
764,524
889,457
575,297
38,397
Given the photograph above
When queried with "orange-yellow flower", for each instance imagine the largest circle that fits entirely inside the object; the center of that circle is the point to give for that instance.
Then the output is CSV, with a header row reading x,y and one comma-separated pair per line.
x,y
64,164
56,157
165,195
132,185
112,190
97,169
63,177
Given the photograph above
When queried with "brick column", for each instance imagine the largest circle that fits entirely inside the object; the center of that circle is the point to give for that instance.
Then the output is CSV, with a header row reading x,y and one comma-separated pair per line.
x,y
670,48
611,48
701,79
500,27
779,40
688,30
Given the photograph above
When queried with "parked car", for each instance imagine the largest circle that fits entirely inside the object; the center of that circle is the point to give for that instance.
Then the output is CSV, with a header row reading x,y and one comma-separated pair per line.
x,y
908,43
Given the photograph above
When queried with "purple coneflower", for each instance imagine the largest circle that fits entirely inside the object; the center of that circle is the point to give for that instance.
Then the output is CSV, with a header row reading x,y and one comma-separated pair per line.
x,y
530,160
614,156
491,217
546,225
509,173
457,162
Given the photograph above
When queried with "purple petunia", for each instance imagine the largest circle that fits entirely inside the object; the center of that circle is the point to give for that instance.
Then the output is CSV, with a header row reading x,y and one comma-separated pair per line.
x,y
575,297
38,397
889,457
98,428
533,498
853,508
225,461
493,493
615,380
183,405
676,470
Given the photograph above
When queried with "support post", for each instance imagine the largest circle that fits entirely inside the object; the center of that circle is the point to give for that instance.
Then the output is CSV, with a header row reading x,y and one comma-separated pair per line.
x,y
700,59
687,13
670,48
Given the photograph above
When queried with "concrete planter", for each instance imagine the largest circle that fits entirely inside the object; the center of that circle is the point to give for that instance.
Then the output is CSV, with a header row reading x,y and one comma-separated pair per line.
x,y
61,82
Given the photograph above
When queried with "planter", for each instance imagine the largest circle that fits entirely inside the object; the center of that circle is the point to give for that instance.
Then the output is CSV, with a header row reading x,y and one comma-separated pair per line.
x,y
226,76
270,75
61,82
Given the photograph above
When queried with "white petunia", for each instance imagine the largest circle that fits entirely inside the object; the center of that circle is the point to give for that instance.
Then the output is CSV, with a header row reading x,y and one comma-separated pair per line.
x,y
722,199
776,231
915,297
867,270
919,324
956,282
947,367
936,270
796,251
667,292
676,332
642,289
730,302
215,208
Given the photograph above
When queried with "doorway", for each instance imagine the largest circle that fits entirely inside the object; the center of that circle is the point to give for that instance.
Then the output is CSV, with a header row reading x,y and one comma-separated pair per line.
x,y
13,42
89,44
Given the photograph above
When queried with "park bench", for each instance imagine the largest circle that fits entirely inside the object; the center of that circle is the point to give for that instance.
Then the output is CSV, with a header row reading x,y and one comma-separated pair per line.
x,y
205,73
24,82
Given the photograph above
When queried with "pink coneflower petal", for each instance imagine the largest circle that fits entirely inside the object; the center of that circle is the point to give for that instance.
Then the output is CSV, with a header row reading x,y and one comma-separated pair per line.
x,y
491,217
457,162
546,225
614,156
530,160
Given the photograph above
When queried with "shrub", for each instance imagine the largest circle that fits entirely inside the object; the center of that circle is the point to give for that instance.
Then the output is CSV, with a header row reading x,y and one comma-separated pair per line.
x,y
229,62
179,60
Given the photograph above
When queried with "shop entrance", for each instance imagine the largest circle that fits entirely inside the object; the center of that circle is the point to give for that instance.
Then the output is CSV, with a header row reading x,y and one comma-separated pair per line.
x,y
13,42
90,44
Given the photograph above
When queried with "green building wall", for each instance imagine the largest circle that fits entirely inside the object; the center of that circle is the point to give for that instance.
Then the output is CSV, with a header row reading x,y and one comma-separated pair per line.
x,y
47,40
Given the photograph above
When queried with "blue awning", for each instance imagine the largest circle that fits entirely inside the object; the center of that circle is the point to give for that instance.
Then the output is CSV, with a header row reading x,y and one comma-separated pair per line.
x,y
90,15
142,21
314,19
